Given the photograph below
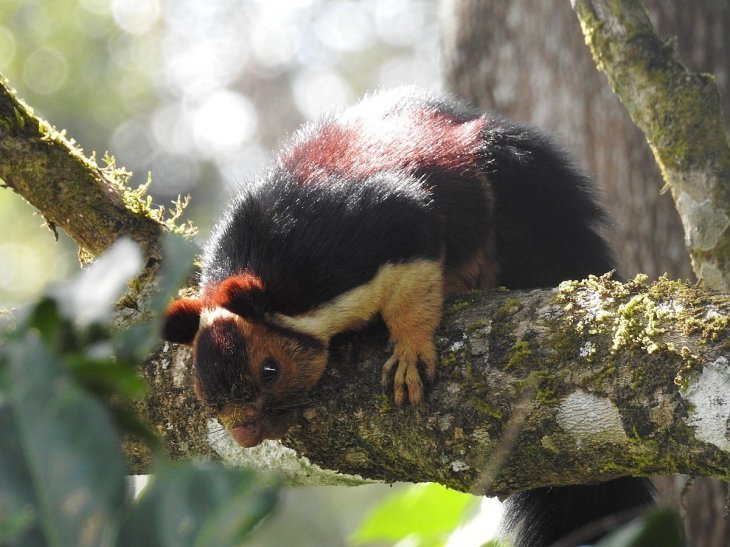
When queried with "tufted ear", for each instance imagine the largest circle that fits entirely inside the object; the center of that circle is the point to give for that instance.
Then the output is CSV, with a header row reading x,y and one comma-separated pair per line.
x,y
182,319
242,294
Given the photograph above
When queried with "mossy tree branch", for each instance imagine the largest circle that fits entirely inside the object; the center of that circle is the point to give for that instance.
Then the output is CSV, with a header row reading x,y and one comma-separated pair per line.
x,y
593,380
681,115
69,190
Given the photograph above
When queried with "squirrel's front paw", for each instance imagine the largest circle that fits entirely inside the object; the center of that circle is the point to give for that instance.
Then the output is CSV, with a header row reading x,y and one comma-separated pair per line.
x,y
406,375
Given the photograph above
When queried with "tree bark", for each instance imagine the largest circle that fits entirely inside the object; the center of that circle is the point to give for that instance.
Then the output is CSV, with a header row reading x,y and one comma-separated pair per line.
x,y
528,60
674,108
90,203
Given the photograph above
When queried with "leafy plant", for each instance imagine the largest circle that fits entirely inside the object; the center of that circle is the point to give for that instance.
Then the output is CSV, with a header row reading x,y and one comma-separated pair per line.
x,y
62,471
425,513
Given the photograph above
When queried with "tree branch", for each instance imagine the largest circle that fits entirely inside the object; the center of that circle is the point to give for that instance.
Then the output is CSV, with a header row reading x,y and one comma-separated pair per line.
x,y
593,380
69,190
681,115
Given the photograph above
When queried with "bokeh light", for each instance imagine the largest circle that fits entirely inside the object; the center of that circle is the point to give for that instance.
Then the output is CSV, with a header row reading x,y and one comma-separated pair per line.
x,y
136,16
7,46
345,26
222,123
200,94
320,91
45,70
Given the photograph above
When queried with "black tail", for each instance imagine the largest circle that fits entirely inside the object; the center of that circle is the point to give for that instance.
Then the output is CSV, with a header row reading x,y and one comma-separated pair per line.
x,y
578,515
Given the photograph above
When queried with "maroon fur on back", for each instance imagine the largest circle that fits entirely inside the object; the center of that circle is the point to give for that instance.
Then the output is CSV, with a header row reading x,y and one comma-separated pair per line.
x,y
410,139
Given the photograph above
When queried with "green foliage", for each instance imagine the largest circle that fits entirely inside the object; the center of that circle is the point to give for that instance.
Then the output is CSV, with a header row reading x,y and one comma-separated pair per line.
x,y
60,456
425,513
197,506
88,355
62,469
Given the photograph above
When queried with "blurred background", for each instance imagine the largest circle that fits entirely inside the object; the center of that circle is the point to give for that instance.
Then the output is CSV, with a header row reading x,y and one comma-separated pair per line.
x,y
201,93
197,93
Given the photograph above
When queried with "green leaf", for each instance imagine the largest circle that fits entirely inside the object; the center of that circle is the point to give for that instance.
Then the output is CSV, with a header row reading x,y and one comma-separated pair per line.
x,y
427,513
193,506
659,527
18,513
138,341
45,318
179,256
135,343
72,456
106,377
58,331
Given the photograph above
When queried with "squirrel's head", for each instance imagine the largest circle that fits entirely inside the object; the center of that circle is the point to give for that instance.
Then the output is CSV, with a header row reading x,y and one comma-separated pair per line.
x,y
251,370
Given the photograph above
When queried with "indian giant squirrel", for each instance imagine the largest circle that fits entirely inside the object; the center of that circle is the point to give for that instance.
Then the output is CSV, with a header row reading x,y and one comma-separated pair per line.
x,y
384,209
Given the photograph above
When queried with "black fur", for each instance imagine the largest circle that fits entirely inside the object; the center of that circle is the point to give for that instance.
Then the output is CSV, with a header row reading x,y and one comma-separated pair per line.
x,y
310,243
220,350
303,340
545,214
313,235
463,205
545,515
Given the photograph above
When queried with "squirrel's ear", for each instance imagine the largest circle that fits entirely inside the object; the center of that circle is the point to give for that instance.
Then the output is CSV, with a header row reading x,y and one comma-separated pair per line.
x,y
242,294
182,319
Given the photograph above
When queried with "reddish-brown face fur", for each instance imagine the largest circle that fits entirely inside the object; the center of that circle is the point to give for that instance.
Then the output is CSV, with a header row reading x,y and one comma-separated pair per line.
x,y
247,406
269,413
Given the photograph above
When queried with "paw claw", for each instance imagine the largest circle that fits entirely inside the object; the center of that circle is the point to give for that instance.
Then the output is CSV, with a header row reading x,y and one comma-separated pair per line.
x,y
386,376
399,396
407,378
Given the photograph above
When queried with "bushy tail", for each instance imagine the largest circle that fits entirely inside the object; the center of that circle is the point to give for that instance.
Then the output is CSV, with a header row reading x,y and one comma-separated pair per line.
x,y
544,516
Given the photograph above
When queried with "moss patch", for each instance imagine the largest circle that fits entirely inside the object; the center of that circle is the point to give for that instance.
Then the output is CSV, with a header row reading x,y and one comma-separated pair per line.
x,y
519,355
485,408
138,201
478,325
510,306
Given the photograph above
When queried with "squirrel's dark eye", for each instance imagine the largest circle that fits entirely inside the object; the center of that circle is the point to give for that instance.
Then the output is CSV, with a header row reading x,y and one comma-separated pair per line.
x,y
269,371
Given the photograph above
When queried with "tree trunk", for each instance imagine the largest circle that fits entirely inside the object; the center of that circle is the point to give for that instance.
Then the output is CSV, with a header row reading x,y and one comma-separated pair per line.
x,y
528,60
